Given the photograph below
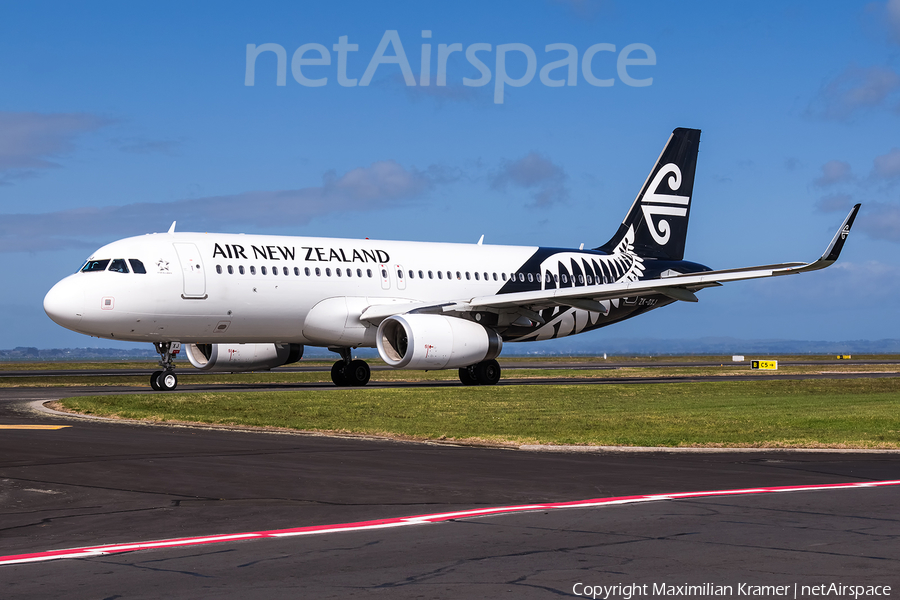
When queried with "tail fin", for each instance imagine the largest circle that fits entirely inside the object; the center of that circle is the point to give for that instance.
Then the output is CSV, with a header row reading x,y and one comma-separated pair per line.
x,y
658,219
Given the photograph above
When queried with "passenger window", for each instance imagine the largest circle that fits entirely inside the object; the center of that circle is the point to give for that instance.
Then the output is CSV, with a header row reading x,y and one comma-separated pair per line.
x,y
241,269
137,266
502,276
421,276
458,276
274,270
580,278
359,272
476,276
337,272
230,270
399,274
485,277
318,272
430,275
253,270
468,277
521,276
590,279
219,269
411,274
440,274
555,278
495,277
349,272
565,279
369,272
296,271
118,266
262,270
530,278
306,270
328,272
285,271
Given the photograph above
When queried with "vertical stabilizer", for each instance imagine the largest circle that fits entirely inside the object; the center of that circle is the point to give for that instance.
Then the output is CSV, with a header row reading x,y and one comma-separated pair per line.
x,y
658,219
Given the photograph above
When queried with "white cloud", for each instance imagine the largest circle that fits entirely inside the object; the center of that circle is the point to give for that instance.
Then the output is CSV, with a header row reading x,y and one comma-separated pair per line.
x,y
381,185
856,89
834,171
32,141
880,220
892,14
835,203
535,172
887,166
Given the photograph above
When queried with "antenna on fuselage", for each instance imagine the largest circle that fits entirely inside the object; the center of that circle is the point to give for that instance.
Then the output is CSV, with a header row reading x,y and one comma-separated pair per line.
x,y
172,228
481,239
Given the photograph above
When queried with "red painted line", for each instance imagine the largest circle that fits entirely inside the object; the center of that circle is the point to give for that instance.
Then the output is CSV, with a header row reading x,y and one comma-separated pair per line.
x,y
414,520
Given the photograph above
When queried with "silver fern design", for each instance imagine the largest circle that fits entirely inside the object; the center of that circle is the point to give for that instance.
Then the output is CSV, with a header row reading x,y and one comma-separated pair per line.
x,y
577,269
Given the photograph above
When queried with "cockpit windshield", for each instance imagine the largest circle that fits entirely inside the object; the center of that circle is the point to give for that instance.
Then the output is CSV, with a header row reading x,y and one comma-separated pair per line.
x,y
116,265
95,265
119,265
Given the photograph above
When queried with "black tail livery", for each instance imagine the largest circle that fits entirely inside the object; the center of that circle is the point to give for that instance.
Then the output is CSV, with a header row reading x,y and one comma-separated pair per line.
x,y
659,215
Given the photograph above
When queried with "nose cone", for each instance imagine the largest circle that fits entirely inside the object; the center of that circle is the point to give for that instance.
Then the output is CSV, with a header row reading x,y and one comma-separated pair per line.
x,y
64,303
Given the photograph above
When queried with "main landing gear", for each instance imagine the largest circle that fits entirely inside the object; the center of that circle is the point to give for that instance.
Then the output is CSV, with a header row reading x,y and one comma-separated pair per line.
x,y
348,372
165,380
487,372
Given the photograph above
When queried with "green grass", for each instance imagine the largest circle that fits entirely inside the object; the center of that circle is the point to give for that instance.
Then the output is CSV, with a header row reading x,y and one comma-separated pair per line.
x,y
861,413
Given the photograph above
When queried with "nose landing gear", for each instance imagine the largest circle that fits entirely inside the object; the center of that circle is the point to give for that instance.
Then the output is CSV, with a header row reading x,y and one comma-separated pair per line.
x,y
165,380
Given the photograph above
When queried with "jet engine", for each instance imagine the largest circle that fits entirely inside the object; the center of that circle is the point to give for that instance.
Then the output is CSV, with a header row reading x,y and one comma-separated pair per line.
x,y
242,357
435,342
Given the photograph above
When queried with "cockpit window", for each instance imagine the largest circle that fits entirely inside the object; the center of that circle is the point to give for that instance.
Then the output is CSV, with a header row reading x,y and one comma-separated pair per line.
x,y
119,266
95,265
137,266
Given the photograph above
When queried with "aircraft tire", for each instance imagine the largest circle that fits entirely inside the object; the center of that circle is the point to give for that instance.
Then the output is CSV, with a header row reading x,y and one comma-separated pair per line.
x,y
339,374
357,373
166,381
466,376
153,380
487,372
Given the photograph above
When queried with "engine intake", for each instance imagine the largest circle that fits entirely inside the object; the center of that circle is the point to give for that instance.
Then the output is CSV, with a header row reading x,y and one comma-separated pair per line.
x,y
435,342
242,357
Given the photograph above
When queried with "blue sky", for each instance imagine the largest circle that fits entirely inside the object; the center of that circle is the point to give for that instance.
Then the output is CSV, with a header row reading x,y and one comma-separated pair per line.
x,y
118,118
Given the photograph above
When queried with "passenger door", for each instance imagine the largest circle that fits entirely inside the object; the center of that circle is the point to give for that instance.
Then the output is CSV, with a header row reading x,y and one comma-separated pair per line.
x,y
191,271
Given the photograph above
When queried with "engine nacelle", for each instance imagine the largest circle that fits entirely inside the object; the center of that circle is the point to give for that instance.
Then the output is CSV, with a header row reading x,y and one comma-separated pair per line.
x,y
435,342
242,357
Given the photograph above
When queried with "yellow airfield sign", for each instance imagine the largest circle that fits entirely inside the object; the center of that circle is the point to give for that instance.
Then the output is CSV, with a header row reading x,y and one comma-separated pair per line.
x,y
764,365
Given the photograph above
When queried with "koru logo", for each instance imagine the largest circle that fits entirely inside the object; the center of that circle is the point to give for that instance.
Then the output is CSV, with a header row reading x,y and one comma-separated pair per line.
x,y
655,204
163,266
845,232
428,348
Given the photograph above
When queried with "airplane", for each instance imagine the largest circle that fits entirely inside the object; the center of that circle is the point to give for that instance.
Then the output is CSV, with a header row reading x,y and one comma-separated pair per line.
x,y
241,302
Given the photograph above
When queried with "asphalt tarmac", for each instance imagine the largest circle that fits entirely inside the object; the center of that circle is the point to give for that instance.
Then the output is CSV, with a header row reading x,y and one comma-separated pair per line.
x,y
95,482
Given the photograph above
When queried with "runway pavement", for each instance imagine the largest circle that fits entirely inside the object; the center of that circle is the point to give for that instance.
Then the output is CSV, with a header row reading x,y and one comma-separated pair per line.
x,y
92,483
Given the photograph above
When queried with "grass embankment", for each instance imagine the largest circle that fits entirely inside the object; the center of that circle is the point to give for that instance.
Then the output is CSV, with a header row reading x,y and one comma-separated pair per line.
x,y
859,413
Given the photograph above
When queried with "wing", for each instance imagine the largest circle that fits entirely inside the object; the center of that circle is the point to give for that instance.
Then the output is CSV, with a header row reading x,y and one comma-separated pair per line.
x,y
589,297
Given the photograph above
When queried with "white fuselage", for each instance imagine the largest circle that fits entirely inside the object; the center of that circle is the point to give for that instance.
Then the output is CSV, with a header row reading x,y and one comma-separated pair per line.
x,y
209,288
236,288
